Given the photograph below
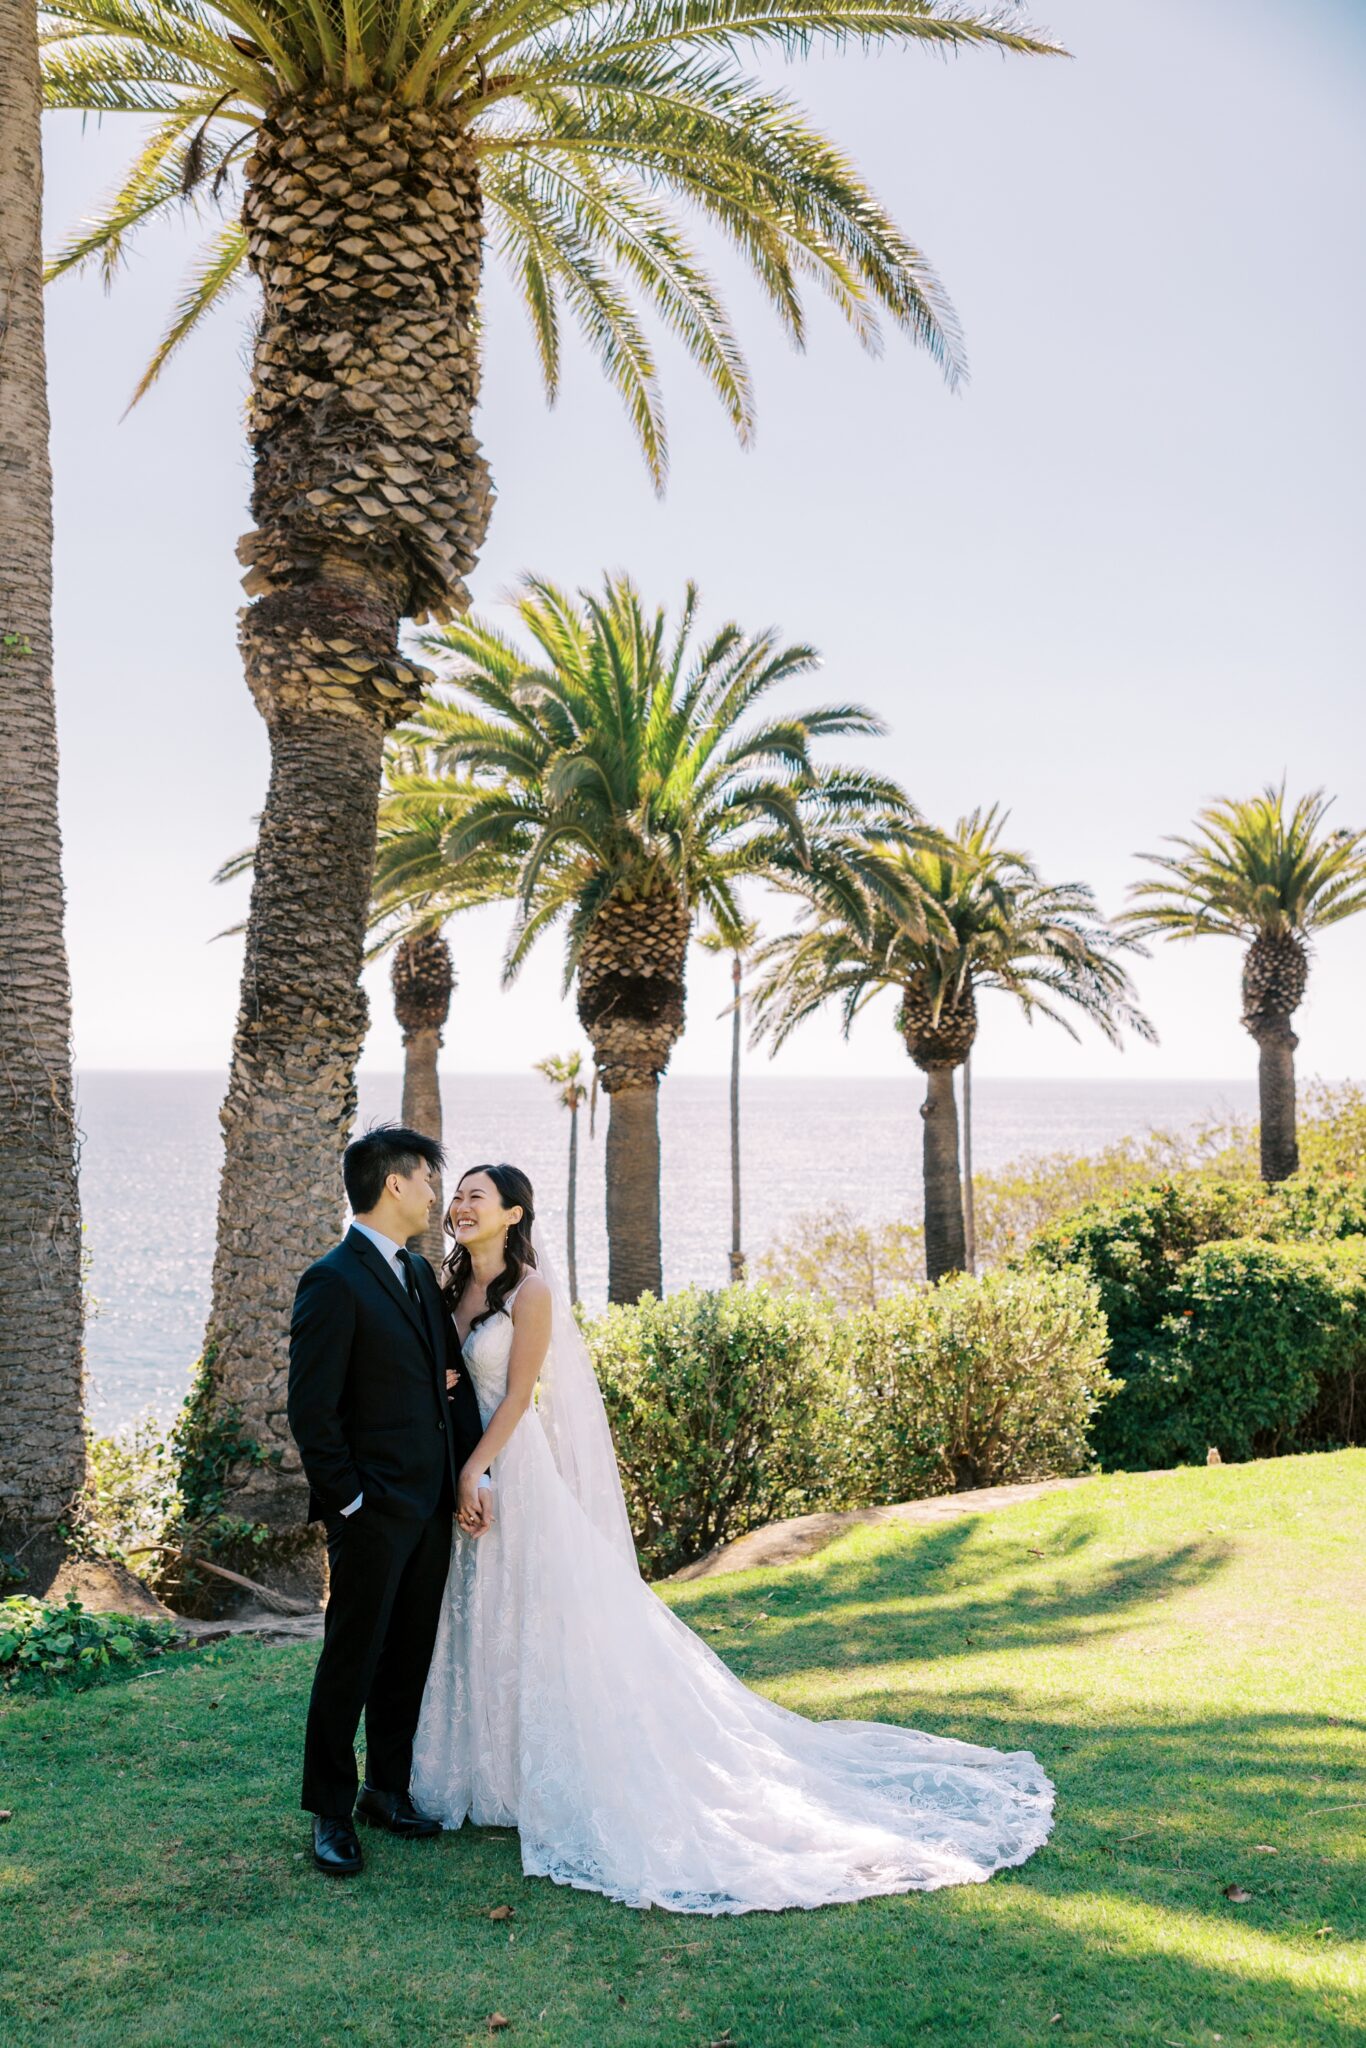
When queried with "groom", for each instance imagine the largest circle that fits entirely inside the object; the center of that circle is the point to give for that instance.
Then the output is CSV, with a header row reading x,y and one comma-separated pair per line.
x,y
382,1443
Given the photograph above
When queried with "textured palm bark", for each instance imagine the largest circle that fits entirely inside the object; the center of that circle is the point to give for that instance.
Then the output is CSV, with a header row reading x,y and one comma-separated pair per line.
x,y
421,1111
1276,1043
969,1193
631,1001
370,501
42,1440
634,1258
423,977
945,1251
571,1222
291,1098
737,1254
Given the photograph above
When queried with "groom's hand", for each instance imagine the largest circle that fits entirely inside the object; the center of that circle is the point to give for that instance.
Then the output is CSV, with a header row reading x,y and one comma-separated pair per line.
x,y
474,1508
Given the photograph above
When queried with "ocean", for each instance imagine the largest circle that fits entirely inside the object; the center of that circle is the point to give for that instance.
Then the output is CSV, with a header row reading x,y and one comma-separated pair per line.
x,y
151,1151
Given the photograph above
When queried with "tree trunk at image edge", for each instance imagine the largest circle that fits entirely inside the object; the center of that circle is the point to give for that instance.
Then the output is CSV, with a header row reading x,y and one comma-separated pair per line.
x,y
1276,1043
370,501
422,979
42,1430
737,1256
571,1225
945,1250
969,1192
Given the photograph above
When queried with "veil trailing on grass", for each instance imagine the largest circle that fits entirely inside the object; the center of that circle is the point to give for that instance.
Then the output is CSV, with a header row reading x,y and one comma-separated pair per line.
x,y
573,1416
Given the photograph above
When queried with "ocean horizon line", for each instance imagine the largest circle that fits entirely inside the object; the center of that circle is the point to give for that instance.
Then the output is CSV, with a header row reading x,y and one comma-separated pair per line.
x,y
756,1077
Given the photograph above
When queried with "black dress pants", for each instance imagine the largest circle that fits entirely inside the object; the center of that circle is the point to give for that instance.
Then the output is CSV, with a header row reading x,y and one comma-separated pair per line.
x,y
384,1601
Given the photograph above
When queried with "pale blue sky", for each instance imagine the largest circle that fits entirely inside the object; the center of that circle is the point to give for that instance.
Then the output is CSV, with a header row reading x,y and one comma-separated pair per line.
x,y
1119,575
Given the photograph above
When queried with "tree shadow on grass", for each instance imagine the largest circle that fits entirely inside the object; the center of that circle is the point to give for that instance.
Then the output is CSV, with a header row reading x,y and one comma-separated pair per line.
x,y
919,1602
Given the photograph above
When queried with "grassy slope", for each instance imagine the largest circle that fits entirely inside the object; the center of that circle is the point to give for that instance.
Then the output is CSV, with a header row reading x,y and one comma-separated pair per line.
x,y
1183,1650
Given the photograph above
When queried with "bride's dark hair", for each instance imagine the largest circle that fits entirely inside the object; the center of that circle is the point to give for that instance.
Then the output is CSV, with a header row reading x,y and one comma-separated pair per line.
x,y
515,1192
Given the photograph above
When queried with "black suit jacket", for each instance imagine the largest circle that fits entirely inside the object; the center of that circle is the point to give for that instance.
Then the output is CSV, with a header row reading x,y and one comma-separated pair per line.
x,y
367,1386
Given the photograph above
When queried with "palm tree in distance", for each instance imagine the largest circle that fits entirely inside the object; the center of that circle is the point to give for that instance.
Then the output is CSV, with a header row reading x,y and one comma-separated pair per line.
x,y
941,921
42,1437
739,949
361,157
564,1073
621,756
1270,877
422,976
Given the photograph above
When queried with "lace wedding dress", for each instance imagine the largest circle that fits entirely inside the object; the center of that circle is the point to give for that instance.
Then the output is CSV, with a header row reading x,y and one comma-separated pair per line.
x,y
567,1701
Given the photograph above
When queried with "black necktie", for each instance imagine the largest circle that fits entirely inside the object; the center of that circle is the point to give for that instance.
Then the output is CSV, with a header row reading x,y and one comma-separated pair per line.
x,y
405,1259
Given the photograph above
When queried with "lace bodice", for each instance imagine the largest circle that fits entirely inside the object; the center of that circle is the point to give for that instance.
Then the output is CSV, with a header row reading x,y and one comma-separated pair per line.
x,y
486,1351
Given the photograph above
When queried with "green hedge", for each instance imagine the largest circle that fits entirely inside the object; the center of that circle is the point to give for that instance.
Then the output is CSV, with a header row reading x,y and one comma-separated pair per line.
x,y
974,1383
737,1408
1263,1349
1233,1313
723,1409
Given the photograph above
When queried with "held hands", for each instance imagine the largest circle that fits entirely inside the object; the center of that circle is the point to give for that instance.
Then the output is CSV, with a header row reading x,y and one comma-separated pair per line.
x,y
474,1506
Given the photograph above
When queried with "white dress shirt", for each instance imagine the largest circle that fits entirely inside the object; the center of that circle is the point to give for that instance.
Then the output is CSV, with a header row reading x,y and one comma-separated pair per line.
x,y
389,1252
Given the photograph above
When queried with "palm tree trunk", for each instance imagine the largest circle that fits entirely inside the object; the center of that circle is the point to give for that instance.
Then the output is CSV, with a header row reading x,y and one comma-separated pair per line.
x,y
421,1111
370,501
1276,1042
944,1247
634,1261
969,1200
42,1435
737,1256
291,1098
571,1220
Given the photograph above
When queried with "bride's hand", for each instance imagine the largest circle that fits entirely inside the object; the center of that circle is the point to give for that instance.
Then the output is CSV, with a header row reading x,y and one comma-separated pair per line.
x,y
452,1378
470,1505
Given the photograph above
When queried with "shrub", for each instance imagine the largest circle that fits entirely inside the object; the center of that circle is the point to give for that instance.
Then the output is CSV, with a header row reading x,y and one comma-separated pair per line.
x,y
1134,1248
40,1645
130,1491
851,1263
1173,1292
722,1406
1262,1349
974,1383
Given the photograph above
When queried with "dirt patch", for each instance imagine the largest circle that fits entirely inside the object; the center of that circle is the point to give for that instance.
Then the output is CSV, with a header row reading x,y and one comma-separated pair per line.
x,y
804,1535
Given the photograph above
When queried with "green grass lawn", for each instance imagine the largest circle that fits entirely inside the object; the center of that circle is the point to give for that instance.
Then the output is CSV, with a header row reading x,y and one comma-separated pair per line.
x,y
1184,1651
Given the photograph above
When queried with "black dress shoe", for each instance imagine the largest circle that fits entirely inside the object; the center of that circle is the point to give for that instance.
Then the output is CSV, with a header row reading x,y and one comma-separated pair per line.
x,y
395,1812
335,1847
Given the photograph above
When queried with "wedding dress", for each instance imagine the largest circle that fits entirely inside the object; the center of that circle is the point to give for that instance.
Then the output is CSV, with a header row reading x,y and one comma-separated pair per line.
x,y
567,1701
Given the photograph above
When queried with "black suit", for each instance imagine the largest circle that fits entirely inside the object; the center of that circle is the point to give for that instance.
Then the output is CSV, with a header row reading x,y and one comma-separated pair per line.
x,y
369,1411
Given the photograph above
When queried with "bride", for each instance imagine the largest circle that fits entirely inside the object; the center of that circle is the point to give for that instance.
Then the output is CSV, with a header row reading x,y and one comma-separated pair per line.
x,y
567,1701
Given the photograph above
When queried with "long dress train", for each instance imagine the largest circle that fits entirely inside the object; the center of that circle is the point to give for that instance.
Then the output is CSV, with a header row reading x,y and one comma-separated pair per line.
x,y
566,1700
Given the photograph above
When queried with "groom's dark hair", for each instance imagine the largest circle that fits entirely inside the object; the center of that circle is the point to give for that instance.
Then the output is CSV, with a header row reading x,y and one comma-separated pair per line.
x,y
368,1161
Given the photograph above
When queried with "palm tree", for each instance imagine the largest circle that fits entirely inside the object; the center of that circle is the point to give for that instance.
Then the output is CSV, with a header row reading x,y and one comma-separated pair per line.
x,y
744,944
422,976
622,760
415,894
42,1441
564,1075
942,920
361,156
1271,878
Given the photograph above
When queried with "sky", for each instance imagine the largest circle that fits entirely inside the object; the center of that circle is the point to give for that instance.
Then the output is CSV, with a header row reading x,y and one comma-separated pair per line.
x,y
1116,577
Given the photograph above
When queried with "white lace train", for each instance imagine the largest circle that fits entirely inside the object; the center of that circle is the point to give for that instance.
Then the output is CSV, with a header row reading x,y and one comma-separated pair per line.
x,y
566,1700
